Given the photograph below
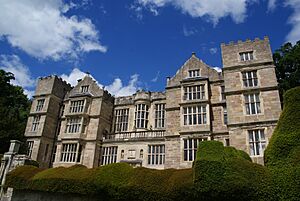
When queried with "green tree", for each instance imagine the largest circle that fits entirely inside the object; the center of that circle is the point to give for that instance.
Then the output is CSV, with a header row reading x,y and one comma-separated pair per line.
x,y
14,110
287,62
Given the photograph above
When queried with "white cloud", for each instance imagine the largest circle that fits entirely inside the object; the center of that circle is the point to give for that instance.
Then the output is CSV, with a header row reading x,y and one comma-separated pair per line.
x,y
13,64
294,20
156,77
189,32
42,30
74,76
271,5
23,78
213,50
213,9
116,88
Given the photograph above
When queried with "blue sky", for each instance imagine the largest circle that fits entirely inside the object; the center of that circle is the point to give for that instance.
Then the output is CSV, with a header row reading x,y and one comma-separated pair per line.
x,y
131,44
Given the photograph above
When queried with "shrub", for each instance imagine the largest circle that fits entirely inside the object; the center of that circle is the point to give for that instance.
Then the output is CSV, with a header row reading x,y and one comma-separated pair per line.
x,y
32,163
284,146
117,181
75,179
224,173
282,155
20,177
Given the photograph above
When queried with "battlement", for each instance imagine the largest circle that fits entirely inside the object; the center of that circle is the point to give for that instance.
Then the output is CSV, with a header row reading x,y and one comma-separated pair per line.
x,y
259,49
246,42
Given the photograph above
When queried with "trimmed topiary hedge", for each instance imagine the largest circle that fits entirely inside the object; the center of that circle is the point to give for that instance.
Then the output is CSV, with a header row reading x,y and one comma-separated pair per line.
x,y
224,173
282,156
112,182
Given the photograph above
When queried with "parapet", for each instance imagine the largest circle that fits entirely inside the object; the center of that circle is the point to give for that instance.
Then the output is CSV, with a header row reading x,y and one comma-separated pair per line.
x,y
259,48
247,41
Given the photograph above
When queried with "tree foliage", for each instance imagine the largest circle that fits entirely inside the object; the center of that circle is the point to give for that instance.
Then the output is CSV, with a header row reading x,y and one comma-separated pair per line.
x,y
14,109
287,62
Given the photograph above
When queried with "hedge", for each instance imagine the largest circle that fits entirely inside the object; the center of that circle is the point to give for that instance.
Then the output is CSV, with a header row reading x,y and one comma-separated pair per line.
x,y
284,146
112,182
224,173
282,155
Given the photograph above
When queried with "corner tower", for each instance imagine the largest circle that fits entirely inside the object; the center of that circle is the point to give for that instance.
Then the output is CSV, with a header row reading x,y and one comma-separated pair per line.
x,y
252,96
42,124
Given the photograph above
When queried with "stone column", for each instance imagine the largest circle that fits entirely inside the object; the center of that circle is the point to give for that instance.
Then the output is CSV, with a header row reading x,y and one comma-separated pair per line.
x,y
7,162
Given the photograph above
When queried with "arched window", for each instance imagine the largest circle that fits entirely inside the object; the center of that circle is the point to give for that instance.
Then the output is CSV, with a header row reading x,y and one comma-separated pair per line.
x,y
122,154
141,153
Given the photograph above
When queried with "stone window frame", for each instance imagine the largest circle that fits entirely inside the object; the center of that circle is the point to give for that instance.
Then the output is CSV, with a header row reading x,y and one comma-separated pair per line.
x,y
109,155
194,92
222,93
246,56
30,144
246,79
189,114
40,105
225,115
84,88
141,116
190,146
156,154
121,119
74,125
194,73
261,142
248,103
160,115
77,106
69,152
35,123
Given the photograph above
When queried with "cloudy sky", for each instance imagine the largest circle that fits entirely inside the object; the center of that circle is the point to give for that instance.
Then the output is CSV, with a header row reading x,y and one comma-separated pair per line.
x,y
131,44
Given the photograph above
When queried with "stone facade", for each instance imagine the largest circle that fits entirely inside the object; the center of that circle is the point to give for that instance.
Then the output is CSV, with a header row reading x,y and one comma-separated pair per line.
x,y
86,125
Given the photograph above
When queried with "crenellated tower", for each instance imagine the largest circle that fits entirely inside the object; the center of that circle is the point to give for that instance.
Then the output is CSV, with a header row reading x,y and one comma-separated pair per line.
x,y
43,121
252,96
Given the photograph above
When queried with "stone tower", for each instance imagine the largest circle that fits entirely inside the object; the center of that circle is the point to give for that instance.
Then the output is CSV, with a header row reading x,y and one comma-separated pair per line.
x,y
43,121
252,96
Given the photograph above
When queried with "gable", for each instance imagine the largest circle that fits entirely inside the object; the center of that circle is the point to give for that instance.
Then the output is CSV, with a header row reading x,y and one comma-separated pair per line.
x,y
86,86
192,64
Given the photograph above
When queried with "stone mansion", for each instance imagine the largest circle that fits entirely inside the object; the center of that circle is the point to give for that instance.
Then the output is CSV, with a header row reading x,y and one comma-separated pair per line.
x,y
85,125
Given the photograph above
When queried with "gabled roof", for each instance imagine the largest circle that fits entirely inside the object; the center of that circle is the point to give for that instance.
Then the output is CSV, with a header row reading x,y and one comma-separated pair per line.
x,y
194,63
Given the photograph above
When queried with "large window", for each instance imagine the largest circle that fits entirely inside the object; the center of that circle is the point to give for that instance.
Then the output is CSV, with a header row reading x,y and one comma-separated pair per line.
x,y
35,123
246,56
156,154
69,153
252,103
109,155
257,142
141,115
194,73
73,125
40,105
250,79
194,115
30,148
121,120
160,115
76,106
194,92
190,148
